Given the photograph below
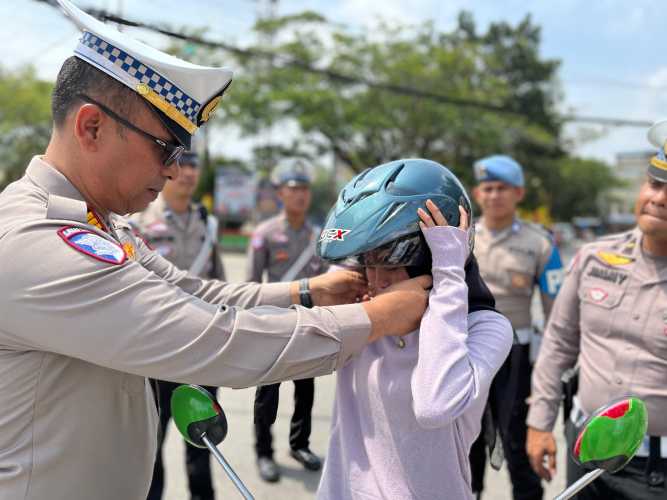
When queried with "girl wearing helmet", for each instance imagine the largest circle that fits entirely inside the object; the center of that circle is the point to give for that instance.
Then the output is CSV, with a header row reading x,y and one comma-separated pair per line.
x,y
408,409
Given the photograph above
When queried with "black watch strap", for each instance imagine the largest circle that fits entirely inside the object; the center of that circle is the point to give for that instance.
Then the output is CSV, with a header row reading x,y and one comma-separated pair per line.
x,y
304,293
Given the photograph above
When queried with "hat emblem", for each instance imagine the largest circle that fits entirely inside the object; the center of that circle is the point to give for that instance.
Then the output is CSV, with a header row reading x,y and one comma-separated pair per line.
x,y
210,108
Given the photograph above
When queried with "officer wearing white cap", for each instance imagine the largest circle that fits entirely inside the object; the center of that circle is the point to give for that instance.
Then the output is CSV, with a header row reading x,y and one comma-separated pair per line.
x,y
284,247
514,256
610,319
184,233
88,311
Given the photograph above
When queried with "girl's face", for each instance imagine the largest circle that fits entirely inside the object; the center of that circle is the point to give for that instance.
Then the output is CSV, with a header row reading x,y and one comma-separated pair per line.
x,y
380,278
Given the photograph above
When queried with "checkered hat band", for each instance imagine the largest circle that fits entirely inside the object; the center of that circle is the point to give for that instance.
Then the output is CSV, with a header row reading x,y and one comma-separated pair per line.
x,y
135,69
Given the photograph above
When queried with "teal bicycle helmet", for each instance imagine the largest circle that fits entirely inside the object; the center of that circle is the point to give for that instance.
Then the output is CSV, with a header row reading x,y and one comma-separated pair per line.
x,y
375,221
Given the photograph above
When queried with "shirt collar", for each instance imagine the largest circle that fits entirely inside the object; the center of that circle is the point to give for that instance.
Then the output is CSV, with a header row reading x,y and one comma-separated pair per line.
x,y
51,180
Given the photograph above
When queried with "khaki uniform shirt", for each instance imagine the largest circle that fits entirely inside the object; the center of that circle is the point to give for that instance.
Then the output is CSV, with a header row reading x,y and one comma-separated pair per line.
x,y
178,237
79,334
275,246
611,315
515,260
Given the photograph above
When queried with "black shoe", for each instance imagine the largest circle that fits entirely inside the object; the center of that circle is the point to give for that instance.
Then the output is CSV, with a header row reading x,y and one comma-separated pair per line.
x,y
268,469
309,460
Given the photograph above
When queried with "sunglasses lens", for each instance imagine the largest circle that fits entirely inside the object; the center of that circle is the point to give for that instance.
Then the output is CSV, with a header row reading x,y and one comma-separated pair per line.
x,y
173,154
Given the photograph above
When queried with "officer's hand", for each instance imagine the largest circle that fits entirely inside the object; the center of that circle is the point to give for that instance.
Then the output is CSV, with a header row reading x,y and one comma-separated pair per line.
x,y
398,309
541,445
338,287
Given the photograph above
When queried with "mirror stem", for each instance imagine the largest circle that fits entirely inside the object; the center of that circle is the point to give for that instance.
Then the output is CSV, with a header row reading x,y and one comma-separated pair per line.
x,y
580,484
228,469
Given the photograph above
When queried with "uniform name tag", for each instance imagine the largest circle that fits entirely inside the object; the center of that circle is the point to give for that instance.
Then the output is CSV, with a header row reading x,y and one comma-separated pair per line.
x,y
93,245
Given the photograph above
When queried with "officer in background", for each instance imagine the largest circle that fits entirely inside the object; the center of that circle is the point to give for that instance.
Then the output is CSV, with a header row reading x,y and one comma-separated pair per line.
x,y
514,257
284,247
610,318
88,311
185,234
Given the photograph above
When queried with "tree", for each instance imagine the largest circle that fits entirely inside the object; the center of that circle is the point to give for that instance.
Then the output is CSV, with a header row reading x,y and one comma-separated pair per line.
x,y
310,75
25,121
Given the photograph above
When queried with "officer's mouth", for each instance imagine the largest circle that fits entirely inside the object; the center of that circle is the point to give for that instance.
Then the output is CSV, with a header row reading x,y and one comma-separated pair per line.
x,y
661,214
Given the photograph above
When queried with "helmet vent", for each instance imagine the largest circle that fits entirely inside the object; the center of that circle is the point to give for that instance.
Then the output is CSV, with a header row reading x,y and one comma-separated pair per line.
x,y
361,176
388,183
391,213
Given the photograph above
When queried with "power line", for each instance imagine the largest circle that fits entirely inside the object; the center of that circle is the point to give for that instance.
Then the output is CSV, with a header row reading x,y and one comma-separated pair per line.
x,y
343,78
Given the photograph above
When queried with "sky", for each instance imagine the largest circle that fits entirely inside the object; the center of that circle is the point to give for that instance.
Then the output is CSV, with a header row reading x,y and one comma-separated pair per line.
x,y
610,50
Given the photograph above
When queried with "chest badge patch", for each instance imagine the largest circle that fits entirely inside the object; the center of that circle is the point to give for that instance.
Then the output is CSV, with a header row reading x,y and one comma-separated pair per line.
x,y
282,256
93,245
614,259
128,248
597,294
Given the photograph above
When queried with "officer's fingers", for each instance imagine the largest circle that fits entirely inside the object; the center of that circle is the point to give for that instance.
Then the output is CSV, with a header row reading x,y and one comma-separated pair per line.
x,y
425,218
464,221
552,463
439,219
537,463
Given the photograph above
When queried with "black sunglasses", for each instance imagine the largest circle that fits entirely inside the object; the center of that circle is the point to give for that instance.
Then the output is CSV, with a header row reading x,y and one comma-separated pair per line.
x,y
171,152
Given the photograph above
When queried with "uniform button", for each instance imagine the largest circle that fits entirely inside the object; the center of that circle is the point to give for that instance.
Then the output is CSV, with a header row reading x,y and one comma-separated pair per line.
x,y
618,380
635,316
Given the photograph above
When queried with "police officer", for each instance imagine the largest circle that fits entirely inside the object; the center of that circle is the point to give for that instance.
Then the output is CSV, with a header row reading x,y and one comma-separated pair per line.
x,y
284,247
185,234
88,311
610,318
514,257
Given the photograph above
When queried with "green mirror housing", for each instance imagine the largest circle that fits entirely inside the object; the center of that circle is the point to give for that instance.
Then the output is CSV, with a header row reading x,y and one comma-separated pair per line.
x,y
196,412
612,435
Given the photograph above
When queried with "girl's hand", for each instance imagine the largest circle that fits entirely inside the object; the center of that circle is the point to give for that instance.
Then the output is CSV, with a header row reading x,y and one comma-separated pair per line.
x,y
435,218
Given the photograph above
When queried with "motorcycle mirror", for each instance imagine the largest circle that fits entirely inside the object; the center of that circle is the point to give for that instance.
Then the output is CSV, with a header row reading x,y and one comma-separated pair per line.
x,y
196,413
612,435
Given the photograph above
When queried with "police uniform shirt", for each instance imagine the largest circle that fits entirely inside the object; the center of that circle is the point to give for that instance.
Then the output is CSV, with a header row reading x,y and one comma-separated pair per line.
x,y
512,262
275,246
87,314
178,237
611,315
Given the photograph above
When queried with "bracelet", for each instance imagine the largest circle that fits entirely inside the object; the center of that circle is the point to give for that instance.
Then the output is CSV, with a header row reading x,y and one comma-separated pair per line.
x,y
304,293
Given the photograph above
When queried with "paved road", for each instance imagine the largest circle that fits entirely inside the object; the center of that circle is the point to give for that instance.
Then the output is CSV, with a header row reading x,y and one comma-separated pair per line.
x,y
296,484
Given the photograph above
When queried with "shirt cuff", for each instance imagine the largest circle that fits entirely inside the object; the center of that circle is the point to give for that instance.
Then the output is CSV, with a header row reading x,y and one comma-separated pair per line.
x,y
276,294
354,327
542,416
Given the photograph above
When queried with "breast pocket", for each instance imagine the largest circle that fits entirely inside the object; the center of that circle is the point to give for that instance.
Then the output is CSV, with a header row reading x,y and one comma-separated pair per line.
x,y
655,334
520,280
598,302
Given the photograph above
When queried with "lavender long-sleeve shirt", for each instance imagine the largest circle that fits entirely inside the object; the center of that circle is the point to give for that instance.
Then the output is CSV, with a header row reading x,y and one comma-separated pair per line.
x,y
404,418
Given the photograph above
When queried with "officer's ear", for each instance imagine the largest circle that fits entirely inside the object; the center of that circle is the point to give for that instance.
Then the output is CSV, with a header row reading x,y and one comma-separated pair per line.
x,y
88,120
520,194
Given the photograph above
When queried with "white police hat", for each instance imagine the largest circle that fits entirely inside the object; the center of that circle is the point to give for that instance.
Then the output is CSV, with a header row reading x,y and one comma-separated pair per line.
x,y
657,136
184,94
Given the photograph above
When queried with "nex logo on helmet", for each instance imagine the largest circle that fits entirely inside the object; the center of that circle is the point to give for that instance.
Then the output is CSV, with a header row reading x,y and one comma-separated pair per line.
x,y
334,234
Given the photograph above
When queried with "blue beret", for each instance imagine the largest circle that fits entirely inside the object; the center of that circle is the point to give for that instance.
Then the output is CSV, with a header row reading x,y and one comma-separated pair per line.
x,y
499,168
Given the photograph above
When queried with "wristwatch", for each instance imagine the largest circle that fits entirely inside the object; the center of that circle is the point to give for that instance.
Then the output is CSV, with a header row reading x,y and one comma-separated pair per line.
x,y
304,293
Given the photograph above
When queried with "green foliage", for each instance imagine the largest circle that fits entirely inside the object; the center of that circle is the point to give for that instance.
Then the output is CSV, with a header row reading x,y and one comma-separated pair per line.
x,y
584,181
25,121
363,125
